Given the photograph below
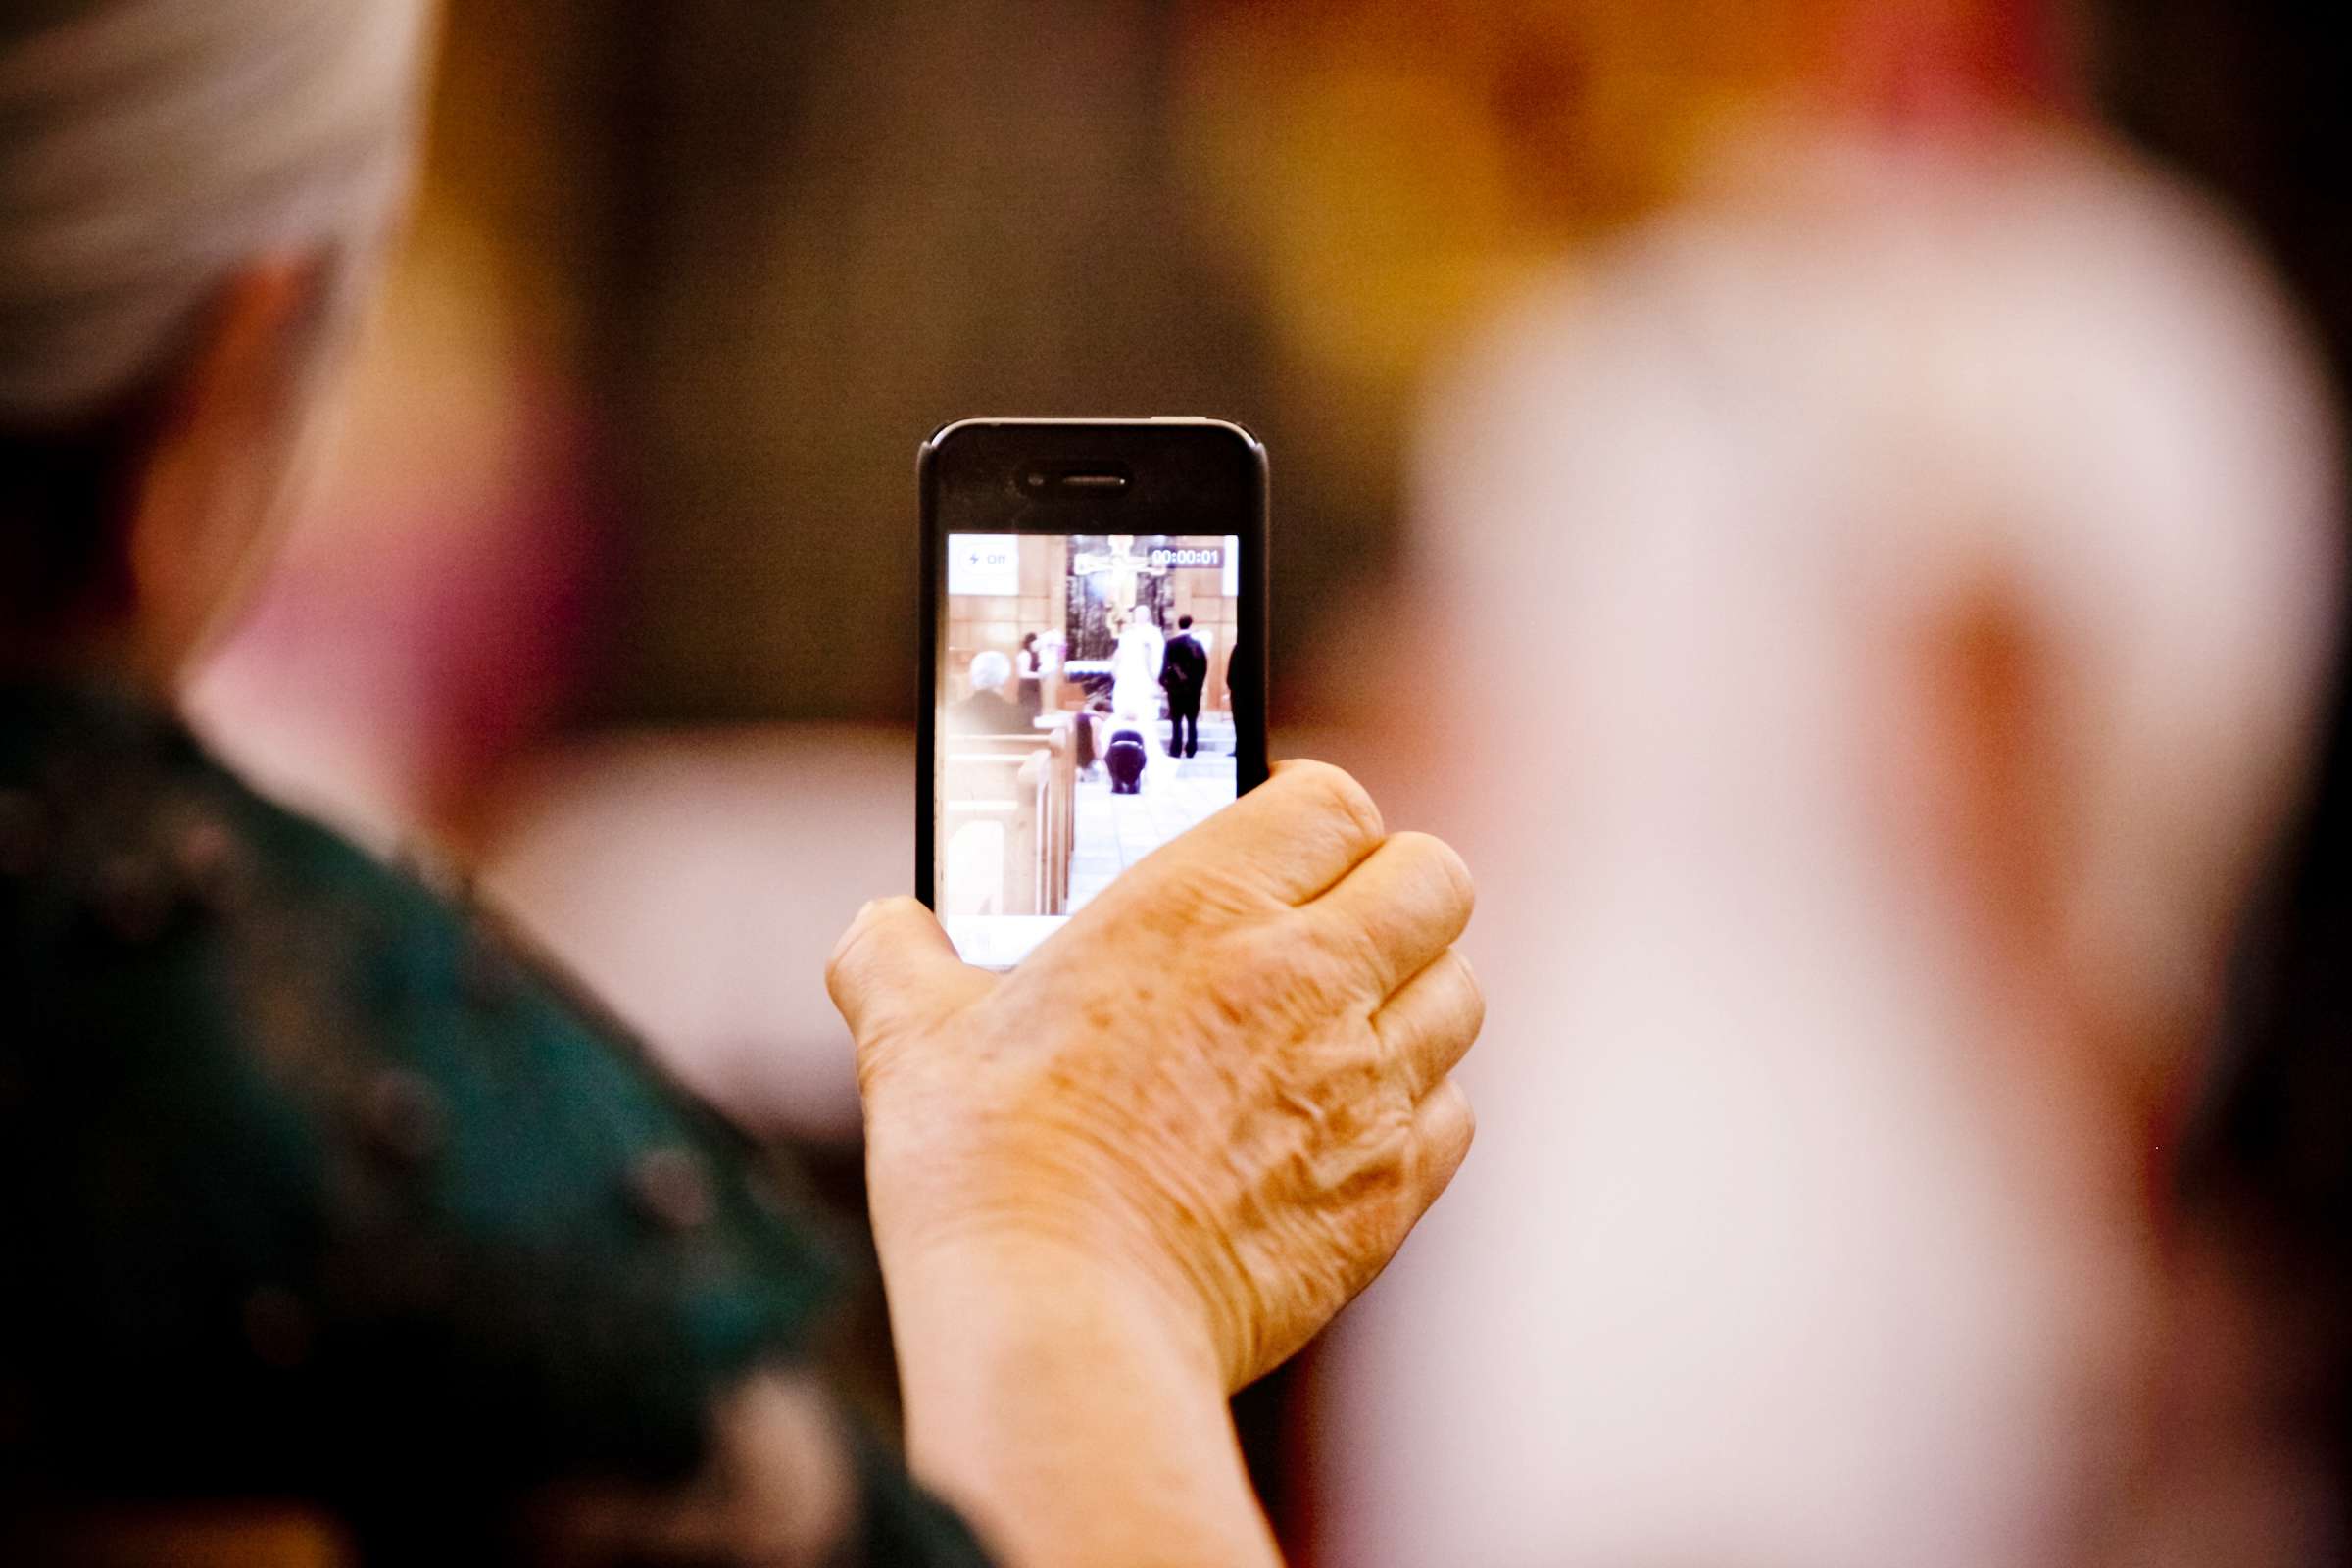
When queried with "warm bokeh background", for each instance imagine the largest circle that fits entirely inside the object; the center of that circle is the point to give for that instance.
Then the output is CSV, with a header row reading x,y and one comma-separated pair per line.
x,y
614,596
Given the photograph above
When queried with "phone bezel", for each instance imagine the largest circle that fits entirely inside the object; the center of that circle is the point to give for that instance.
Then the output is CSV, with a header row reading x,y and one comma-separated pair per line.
x,y
1219,457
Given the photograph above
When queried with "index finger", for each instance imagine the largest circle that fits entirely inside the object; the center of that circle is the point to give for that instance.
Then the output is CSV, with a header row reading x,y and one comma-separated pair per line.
x,y
1404,906
1295,835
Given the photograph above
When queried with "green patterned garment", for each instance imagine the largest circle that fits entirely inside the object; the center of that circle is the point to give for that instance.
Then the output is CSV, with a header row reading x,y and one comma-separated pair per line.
x,y
312,1188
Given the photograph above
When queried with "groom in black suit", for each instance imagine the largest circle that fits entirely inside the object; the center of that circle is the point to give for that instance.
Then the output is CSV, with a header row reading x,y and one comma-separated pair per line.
x,y
1184,671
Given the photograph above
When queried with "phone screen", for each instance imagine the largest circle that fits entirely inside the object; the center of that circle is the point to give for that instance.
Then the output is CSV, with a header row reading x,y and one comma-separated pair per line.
x,y
1085,716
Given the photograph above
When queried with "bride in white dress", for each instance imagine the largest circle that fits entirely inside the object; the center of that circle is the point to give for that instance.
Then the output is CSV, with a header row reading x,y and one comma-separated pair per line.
x,y
1135,693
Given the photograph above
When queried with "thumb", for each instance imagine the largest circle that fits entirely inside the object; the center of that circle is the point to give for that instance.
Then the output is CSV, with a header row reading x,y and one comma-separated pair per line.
x,y
895,969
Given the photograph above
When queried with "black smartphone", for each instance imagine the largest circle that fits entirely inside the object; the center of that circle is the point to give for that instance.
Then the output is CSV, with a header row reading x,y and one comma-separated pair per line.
x,y
1094,669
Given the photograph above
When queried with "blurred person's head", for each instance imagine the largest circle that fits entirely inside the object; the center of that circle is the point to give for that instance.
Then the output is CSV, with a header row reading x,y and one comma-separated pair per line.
x,y
192,198
990,671
1936,553
1184,623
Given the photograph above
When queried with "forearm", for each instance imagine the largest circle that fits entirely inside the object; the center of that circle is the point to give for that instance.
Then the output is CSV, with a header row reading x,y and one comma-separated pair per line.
x,y
1064,1414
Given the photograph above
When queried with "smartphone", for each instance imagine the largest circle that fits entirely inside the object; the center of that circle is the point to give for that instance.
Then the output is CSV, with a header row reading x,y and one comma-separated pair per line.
x,y
1094,669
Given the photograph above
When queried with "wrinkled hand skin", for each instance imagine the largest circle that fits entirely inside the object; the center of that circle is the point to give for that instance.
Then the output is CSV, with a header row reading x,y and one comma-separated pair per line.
x,y
1225,1078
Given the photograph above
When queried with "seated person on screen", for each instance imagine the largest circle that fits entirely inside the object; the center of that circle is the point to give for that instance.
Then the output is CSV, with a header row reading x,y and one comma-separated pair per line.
x,y
986,712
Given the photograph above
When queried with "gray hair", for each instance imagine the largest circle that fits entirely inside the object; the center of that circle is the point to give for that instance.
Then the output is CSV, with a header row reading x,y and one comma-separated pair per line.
x,y
990,670
148,148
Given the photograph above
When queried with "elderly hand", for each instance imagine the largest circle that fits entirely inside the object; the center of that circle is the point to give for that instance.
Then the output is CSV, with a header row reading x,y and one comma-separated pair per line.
x,y
1225,1078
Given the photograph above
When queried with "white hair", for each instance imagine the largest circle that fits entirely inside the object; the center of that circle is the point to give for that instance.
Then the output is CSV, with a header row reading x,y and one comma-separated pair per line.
x,y
148,148
990,670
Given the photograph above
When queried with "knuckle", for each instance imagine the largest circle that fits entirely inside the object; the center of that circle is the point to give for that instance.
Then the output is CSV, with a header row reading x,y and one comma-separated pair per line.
x,y
1448,1125
1372,1182
847,957
1466,1122
847,967
1350,955
1245,975
1297,966
1457,876
869,915
1473,991
1335,792
1445,869
840,968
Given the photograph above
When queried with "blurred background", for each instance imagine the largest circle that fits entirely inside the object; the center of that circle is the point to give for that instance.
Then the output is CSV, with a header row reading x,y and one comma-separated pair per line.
x,y
1927,402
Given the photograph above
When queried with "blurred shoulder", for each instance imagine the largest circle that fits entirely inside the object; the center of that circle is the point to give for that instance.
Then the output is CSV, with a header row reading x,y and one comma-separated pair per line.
x,y
284,1127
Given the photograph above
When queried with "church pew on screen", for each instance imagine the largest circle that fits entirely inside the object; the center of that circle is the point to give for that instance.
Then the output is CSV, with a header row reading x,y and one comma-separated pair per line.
x,y
1000,785
1043,797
